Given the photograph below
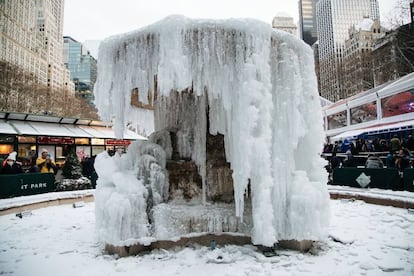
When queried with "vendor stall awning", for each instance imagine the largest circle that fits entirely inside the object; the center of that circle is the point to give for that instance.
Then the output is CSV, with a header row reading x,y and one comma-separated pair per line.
x,y
106,132
6,128
62,130
24,128
48,129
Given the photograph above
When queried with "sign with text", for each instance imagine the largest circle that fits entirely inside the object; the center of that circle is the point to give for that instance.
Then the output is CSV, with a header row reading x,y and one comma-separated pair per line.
x,y
114,142
55,140
12,185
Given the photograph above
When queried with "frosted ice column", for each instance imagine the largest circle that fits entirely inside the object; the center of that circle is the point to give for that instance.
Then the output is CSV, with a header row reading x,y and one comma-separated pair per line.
x,y
259,86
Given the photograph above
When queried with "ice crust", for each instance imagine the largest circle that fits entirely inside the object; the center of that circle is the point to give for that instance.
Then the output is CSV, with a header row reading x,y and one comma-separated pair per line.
x,y
260,87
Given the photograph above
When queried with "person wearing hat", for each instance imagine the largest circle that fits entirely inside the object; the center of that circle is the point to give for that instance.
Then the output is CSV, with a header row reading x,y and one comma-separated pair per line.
x,y
374,162
11,166
45,163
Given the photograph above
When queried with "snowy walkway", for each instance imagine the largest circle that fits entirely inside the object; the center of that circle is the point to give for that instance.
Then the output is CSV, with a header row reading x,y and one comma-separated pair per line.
x,y
402,199
14,204
364,239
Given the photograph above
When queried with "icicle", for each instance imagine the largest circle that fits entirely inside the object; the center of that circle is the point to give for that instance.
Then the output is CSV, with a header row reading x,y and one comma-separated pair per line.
x,y
260,88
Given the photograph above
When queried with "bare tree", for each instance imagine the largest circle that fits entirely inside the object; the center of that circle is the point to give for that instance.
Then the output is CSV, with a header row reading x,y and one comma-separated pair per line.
x,y
21,91
398,15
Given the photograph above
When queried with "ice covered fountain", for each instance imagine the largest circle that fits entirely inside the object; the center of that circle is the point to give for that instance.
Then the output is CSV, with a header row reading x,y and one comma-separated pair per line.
x,y
238,131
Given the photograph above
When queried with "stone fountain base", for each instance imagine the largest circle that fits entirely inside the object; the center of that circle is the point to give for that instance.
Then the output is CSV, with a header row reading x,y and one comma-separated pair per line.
x,y
183,225
204,240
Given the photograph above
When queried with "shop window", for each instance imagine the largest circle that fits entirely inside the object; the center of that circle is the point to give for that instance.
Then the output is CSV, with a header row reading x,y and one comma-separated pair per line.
x,y
98,141
82,141
26,151
5,149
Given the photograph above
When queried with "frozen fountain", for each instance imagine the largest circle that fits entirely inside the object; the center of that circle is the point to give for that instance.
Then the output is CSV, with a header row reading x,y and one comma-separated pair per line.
x,y
238,131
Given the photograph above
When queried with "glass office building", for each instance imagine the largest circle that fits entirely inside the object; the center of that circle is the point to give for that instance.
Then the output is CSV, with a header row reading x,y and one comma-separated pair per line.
x,y
307,21
334,19
82,66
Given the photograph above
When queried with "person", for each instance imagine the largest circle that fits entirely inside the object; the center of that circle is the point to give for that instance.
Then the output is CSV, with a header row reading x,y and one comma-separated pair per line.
x,y
336,147
383,145
409,143
11,166
403,160
87,166
374,162
369,146
345,146
395,144
353,148
349,160
33,167
335,161
390,160
45,163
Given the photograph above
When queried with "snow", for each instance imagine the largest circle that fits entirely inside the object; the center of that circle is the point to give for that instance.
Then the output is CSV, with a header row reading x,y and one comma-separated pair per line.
x,y
403,196
8,203
260,87
364,239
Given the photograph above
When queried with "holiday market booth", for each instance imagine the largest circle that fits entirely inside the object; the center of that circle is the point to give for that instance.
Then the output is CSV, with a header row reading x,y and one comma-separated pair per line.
x,y
29,134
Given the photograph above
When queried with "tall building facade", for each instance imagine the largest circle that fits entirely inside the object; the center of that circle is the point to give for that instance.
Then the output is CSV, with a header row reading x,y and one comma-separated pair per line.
x,y
334,18
307,21
82,66
358,56
393,55
285,23
31,38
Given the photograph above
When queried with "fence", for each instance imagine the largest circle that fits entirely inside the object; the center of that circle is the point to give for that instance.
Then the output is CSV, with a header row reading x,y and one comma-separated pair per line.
x,y
388,178
13,185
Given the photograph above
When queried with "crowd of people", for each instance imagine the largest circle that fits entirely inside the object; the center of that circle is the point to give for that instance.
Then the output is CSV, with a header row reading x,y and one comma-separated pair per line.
x,y
380,153
42,164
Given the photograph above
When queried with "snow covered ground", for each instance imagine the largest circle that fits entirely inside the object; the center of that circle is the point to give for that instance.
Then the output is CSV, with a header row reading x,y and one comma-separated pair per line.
x,y
60,240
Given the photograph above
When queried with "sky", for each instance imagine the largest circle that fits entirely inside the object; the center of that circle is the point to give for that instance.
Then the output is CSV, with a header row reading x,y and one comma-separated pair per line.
x,y
98,19
364,239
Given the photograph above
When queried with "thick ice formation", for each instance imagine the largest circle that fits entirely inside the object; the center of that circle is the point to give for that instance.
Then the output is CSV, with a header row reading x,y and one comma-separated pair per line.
x,y
260,87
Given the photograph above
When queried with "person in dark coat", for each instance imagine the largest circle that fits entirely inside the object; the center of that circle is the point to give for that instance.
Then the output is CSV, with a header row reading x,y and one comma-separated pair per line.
x,y
33,167
395,144
409,144
87,166
335,161
349,160
402,160
11,166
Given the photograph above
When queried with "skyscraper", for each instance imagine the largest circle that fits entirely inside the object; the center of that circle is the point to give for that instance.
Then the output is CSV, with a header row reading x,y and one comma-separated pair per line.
x,y
307,21
82,66
334,19
31,38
